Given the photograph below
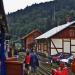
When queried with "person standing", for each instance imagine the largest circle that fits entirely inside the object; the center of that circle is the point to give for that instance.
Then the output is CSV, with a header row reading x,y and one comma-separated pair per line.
x,y
34,62
65,71
61,70
27,62
56,71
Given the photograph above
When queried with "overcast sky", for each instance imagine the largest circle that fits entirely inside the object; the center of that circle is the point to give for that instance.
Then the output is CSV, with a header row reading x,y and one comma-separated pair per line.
x,y
14,5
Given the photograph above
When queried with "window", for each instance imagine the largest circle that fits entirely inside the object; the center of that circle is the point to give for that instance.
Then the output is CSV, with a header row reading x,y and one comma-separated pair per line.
x,y
72,33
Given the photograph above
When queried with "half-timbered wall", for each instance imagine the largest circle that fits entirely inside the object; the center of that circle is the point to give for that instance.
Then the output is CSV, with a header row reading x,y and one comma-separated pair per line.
x,y
62,45
67,45
56,45
63,41
73,45
68,40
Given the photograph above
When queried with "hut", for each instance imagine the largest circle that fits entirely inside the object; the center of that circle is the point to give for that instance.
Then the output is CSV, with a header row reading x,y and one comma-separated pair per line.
x,y
58,39
29,39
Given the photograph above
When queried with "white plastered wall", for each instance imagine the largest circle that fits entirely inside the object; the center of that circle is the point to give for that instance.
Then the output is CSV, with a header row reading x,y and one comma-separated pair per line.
x,y
73,46
67,47
58,45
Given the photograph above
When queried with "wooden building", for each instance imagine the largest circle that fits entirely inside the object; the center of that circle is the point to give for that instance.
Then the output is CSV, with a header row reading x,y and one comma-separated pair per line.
x,y
58,39
29,39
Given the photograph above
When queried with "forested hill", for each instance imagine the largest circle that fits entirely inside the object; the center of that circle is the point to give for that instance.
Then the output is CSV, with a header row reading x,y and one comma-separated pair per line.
x,y
40,16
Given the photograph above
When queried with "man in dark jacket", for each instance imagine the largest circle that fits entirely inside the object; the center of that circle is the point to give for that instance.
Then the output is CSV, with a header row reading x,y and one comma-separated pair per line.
x,y
34,62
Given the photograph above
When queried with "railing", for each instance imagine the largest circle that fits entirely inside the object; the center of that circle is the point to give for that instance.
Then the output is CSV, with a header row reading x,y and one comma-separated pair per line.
x,y
44,68
44,65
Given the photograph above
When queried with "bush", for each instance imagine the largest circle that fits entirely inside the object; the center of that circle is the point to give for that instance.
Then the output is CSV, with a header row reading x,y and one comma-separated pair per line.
x,y
21,56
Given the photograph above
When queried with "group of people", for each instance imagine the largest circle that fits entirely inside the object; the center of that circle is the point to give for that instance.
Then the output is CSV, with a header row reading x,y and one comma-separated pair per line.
x,y
31,62
61,70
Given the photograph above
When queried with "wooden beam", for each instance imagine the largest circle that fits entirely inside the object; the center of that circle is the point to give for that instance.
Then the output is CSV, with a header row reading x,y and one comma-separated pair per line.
x,y
62,45
54,46
49,46
72,52
70,45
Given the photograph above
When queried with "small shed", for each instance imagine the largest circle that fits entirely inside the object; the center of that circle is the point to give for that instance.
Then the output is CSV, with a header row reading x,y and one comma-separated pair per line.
x,y
29,39
58,39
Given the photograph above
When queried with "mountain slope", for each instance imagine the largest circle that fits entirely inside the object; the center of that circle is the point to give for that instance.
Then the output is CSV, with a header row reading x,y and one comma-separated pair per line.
x,y
43,16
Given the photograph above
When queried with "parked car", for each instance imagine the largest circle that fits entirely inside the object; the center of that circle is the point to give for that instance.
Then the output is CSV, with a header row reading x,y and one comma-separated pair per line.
x,y
60,56
67,59
57,57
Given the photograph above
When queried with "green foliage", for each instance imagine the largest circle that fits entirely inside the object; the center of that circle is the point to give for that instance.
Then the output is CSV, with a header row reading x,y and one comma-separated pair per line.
x,y
21,56
40,16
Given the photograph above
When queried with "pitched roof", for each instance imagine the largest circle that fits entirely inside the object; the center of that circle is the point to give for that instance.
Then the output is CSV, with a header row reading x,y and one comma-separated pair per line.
x,y
31,33
54,30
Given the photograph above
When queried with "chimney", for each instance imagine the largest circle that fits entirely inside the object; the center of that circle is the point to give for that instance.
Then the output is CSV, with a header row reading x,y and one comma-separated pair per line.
x,y
68,19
